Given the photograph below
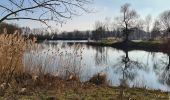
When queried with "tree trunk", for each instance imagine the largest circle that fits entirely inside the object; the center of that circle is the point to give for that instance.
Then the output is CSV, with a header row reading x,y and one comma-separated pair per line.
x,y
168,66
126,34
126,37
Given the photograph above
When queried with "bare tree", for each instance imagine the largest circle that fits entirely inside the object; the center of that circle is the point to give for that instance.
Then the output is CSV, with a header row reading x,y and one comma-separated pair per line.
x,y
140,24
127,20
148,21
99,31
165,21
138,31
156,29
107,23
99,24
41,10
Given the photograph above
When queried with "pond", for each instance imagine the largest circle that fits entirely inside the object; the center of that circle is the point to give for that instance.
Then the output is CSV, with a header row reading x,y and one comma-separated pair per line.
x,y
135,68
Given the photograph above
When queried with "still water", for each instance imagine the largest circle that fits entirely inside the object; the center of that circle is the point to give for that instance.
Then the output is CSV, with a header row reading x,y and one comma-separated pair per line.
x,y
134,68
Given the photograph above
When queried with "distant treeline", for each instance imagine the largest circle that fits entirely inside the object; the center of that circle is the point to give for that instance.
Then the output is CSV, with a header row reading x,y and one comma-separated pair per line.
x,y
75,35
96,34
78,35
9,28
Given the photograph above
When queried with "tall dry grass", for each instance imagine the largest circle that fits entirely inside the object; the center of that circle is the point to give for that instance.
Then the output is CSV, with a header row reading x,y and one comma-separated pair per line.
x,y
12,48
54,67
45,59
25,64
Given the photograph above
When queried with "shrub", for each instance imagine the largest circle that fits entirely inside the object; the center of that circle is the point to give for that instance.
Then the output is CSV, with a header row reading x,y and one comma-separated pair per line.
x,y
98,79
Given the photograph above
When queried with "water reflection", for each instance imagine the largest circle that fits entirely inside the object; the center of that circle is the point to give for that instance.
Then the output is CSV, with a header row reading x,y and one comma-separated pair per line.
x,y
129,68
100,55
164,75
123,68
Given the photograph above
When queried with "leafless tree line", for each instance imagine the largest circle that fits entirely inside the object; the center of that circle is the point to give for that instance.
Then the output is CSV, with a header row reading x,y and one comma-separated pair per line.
x,y
45,11
129,20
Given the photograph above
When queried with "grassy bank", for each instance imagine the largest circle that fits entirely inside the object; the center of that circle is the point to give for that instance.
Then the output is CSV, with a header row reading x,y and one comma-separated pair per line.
x,y
74,90
154,46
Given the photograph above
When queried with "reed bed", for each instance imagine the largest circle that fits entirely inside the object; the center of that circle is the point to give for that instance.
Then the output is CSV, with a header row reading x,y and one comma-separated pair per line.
x,y
54,61
12,48
26,66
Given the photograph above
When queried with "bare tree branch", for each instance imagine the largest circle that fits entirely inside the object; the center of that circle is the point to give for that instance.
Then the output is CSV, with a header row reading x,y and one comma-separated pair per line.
x,y
53,10
6,8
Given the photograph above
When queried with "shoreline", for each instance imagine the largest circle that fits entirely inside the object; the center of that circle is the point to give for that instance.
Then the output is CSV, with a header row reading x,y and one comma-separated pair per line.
x,y
130,46
75,90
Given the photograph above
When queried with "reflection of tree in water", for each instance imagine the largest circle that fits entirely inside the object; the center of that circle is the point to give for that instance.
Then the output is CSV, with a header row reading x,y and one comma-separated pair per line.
x,y
164,71
128,68
101,55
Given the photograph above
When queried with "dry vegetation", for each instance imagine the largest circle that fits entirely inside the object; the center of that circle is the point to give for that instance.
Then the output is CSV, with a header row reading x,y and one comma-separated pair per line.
x,y
12,48
31,80
18,77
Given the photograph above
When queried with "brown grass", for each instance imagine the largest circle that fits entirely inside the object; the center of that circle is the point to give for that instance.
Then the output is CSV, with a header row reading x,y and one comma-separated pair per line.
x,y
12,48
99,79
17,74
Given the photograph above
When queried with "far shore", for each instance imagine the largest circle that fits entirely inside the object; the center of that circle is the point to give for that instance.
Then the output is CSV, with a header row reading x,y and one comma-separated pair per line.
x,y
146,45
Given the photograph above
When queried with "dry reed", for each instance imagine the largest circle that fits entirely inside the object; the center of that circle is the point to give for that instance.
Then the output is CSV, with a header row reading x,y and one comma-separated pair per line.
x,y
12,48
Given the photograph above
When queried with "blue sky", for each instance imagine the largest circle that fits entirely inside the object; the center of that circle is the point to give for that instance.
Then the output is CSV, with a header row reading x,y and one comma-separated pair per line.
x,y
107,8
